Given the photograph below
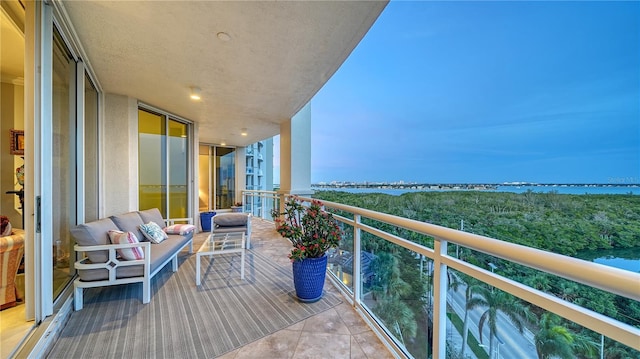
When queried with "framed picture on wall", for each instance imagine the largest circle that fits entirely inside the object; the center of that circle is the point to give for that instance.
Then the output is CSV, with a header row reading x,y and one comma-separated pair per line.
x,y
17,142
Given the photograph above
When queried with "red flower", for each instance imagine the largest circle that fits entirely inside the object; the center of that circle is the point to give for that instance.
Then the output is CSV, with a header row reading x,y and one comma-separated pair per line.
x,y
310,228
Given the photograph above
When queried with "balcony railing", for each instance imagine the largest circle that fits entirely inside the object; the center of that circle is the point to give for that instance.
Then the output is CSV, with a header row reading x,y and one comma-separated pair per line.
x,y
407,279
260,203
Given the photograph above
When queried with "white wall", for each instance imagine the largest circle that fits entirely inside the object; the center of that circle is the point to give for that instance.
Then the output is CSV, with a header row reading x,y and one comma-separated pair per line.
x,y
120,154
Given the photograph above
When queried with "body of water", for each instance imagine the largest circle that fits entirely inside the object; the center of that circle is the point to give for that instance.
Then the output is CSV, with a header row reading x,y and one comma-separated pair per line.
x,y
632,265
623,258
561,189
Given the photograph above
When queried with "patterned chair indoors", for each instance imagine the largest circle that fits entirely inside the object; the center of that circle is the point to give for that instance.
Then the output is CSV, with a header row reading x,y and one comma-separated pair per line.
x,y
11,248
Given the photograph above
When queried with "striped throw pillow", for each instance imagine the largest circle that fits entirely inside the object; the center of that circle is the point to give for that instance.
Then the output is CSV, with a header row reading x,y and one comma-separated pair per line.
x,y
180,229
129,254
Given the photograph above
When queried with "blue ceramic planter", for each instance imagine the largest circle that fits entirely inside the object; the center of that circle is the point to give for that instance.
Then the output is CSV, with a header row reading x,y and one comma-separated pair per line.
x,y
308,278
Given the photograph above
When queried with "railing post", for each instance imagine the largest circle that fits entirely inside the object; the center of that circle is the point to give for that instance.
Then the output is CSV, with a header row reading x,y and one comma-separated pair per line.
x,y
357,269
245,201
440,284
281,201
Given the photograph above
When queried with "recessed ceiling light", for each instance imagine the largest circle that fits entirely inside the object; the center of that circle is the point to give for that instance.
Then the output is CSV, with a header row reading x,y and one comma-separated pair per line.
x,y
223,36
195,93
243,132
223,143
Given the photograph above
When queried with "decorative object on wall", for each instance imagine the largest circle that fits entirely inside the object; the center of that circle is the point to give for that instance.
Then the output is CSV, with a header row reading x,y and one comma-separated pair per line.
x,y
20,174
17,142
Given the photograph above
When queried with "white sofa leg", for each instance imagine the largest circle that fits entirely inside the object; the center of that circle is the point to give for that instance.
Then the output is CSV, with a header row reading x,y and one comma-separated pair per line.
x,y
146,291
78,298
174,263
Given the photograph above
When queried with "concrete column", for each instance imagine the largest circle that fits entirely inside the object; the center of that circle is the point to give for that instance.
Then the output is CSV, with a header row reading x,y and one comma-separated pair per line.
x,y
295,154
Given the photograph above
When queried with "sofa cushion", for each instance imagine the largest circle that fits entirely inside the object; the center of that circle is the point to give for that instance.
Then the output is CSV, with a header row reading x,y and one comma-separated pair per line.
x,y
94,233
153,232
129,222
152,215
129,254
164,250
230,219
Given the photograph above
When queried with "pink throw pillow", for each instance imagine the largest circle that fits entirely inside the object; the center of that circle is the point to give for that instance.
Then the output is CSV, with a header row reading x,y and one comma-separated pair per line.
x,y
129,254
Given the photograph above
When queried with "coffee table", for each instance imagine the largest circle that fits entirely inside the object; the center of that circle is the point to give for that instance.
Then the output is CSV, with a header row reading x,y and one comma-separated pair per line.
x,y
221,243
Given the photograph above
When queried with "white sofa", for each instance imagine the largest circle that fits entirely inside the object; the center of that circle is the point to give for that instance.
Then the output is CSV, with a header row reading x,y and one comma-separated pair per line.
x,y
102,267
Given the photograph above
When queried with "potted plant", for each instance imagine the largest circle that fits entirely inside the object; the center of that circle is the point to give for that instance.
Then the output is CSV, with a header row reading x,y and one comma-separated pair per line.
x,y
312,231
237,207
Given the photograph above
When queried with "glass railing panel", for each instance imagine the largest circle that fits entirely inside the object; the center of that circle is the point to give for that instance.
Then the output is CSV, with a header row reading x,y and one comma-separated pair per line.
x,y
260,203
612,305
398,293
340,261
499,325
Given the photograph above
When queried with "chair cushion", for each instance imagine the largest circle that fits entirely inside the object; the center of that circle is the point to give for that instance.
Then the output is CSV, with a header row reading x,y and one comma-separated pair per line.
x,y
152,215
92,234
230,219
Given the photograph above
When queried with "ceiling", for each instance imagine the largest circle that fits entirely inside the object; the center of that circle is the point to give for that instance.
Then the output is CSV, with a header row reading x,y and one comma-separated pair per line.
x,y
278,56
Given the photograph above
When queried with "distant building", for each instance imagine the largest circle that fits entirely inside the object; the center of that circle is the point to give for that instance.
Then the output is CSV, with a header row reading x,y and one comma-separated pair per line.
x,y
259,162
341,263
259,173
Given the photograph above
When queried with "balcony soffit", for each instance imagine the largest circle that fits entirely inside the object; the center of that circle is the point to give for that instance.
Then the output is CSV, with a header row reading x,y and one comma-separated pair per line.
x,y
279,55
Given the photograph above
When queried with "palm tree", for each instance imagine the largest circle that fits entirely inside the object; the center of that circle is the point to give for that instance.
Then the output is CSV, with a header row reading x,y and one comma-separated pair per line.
x,y
389,287
471,283
497,301
553,340
398,318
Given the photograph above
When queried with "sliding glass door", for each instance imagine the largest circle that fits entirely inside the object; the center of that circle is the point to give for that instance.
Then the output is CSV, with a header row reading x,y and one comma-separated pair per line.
x,y
63,162
152,151
91,151
163,157
217,177
225,177
177,152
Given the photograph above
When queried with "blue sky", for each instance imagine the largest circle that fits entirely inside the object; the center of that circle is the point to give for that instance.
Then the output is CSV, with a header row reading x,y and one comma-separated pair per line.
x,y
452,92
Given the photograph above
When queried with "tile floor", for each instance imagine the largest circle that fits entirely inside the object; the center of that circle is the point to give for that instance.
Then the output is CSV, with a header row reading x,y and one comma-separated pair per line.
x,y
336,333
